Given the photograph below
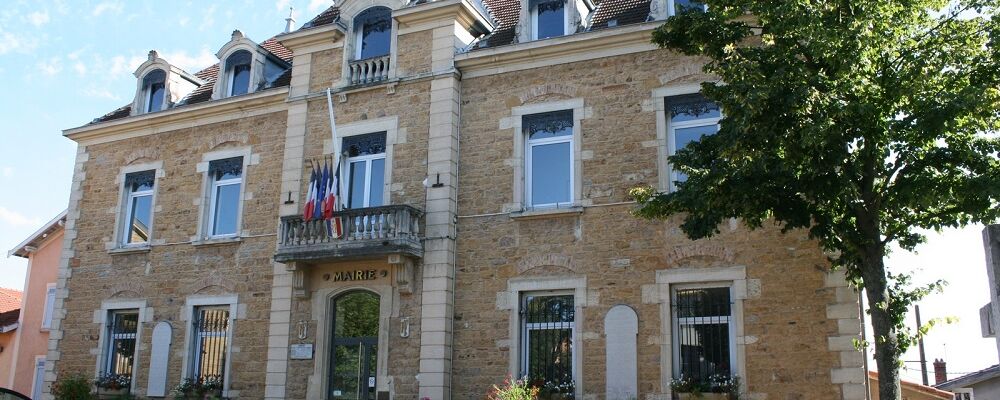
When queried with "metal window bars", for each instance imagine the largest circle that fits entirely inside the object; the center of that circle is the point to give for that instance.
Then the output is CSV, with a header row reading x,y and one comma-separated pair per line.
x,y
211,344
548,322
702,333
122,327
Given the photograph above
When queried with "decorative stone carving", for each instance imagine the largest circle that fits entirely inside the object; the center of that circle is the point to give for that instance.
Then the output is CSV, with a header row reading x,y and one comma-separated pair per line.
x,y
548,92
543,260
404,271
143,154
231,137
299,289
714,251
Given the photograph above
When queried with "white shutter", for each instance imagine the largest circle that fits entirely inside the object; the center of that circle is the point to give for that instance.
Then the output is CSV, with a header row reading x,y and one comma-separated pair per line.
x,y
36,389
50,302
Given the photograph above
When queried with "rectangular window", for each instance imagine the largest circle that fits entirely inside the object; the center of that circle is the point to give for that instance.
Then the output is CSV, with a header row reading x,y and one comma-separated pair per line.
x,y
690,117
703,333
226,180
549,159
547,327
548,19
39,380
240,83
122,328
154,101
138,207
681,6
211,343
50,301
366,170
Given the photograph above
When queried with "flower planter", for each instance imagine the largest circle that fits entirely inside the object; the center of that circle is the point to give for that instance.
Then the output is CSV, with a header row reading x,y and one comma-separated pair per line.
x,y
703,396
111,393
205,396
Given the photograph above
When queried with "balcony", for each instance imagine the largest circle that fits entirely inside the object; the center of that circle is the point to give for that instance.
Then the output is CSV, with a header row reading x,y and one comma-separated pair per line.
x,y
367,233
369,70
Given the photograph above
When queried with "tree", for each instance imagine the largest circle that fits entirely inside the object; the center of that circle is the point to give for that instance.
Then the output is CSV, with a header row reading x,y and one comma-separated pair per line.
x,y
861,121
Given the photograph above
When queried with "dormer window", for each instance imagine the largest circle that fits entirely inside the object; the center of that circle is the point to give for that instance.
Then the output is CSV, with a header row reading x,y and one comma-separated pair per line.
x,y
154,87
681,6
548,19
373,32
238,72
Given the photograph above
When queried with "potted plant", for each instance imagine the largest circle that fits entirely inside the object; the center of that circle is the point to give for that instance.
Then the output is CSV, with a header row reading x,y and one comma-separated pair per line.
x,y
206,388
112,386
716,387
513,390
554,390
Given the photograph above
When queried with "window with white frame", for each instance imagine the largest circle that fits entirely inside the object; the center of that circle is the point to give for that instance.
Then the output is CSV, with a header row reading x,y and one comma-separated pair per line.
x,y
703,332
39,379
226,180
373,33
210,345
682,6
366,170
549,18
549,159
238,72
119,355
154,90
50,301
548,321
138,207
689,118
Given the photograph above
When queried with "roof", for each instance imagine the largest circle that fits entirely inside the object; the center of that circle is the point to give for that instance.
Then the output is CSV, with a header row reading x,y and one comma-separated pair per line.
x,y
209,75
916,387
10,300
36,239
606,14
971,379
327,17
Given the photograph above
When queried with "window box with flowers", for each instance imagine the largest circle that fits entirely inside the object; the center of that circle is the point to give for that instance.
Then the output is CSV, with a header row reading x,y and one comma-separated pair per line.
x,y
112,386
194,389
716,387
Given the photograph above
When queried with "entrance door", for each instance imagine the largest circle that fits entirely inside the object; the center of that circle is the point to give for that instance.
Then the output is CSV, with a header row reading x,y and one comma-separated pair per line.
x,y
354,354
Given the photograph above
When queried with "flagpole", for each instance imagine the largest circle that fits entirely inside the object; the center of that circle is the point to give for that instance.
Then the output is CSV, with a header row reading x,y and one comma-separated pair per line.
x,y
336,146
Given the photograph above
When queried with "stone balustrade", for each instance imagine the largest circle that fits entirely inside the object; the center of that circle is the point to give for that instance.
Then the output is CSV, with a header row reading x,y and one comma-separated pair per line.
x,y
369,70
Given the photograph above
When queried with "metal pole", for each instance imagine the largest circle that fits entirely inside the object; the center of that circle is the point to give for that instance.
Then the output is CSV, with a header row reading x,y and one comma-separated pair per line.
x,y
920,345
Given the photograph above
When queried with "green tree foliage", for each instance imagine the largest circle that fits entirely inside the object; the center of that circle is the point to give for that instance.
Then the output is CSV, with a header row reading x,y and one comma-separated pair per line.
x,y
861,121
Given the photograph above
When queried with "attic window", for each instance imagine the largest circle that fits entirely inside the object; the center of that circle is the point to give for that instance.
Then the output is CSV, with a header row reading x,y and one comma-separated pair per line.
x,y
373,30
238,72
682,6
548,18
153,88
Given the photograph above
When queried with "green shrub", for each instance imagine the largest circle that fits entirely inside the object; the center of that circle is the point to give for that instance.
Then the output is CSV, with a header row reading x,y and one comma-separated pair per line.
x,y
513,390
72,387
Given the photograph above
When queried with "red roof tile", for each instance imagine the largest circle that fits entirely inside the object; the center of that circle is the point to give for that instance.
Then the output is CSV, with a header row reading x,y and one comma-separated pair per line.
x,y
10,300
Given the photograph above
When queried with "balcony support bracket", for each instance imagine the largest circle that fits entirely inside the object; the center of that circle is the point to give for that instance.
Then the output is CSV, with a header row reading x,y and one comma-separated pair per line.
x,y
300,288
404,271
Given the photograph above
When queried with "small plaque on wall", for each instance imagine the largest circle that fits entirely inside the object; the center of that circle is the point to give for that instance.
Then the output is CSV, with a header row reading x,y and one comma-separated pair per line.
x,y
301,351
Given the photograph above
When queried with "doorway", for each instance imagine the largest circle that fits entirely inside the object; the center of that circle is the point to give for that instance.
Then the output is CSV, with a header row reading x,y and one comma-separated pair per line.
x,y
354,351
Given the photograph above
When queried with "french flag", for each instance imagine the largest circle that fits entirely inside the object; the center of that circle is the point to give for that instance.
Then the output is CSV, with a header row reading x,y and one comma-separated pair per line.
x,y
330,202
310,207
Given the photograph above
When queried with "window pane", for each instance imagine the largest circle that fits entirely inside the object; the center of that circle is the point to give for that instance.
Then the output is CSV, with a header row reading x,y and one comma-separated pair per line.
x,y
356,191
155,97
551,20
548,323
550,176
121,342
227,201
375,187
548,125
684,137
703,302
140,219
702,320
212,326
225,169
375,38
357,315
685,5
690,107
241,80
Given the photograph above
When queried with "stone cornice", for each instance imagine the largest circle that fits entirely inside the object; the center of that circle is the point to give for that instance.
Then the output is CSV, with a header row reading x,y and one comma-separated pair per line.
x,y
311,37
572,48
271,100
461,11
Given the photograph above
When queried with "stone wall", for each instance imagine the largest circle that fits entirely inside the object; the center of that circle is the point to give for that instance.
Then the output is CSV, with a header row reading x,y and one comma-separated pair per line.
x,y
785,315
174,268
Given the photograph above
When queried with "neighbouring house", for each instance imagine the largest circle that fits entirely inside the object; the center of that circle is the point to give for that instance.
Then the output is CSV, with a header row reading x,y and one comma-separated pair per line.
x,y
482,225
43,250
911,390
980,385
10,311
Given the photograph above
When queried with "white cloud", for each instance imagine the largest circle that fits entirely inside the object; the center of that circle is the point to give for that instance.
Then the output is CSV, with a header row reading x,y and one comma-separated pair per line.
x,y
125,65
113,7
100,93
318,5
51,66
183,22
13,218
16,42
7,172
189,62
80,68
39,18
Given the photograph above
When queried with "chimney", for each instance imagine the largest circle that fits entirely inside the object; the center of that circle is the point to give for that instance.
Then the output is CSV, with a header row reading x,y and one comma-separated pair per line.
x,y
290,21
940,371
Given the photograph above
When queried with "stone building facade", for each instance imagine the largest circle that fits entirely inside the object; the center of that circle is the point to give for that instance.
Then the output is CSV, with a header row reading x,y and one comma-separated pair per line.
x,y
486,151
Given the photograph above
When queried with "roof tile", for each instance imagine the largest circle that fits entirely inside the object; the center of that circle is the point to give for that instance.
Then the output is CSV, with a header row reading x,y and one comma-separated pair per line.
x,y
10,300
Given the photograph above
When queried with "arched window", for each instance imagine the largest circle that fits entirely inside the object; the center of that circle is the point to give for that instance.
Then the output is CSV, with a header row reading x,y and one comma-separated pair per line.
x,y
154,88
238,72
354,365
373,30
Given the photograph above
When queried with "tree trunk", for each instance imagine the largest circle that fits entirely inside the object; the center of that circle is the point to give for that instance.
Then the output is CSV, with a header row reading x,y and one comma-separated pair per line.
x,y
886,342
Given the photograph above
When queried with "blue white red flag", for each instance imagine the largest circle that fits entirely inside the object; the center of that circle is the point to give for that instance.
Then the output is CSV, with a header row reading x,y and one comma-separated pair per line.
x,y
309,207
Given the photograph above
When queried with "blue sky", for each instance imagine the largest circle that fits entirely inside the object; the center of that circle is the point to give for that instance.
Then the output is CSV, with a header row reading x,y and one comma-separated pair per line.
x,y
64,63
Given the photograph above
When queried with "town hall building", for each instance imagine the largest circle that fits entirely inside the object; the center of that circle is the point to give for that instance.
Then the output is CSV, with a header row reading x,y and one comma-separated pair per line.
x,y
478,173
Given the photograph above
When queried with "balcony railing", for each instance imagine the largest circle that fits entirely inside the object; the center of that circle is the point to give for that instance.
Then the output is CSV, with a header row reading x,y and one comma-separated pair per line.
x,y
365,233
369,70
